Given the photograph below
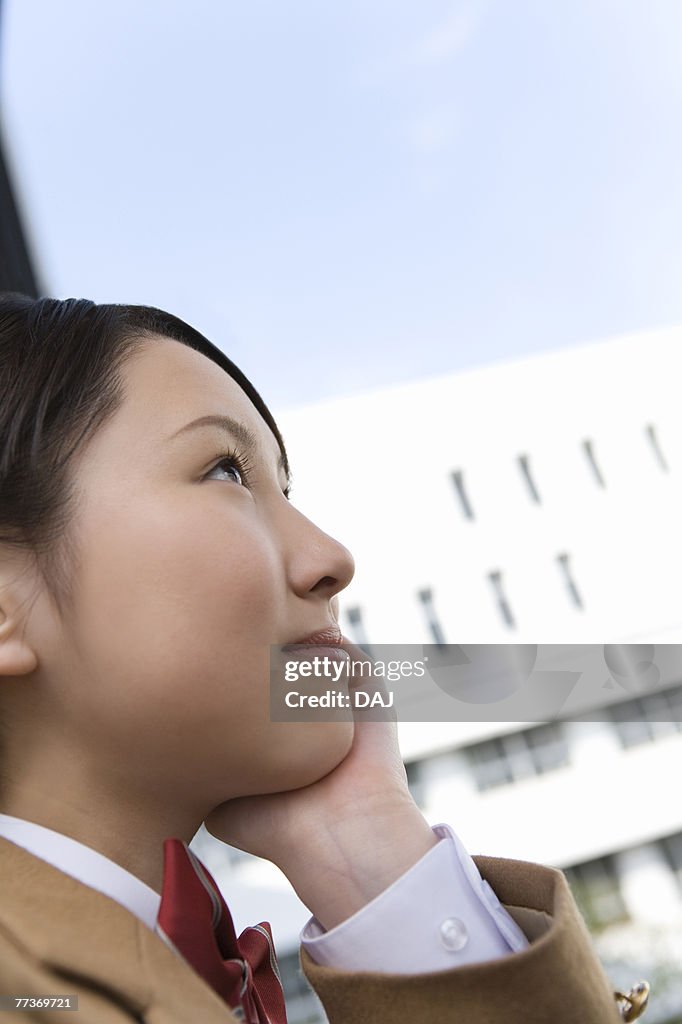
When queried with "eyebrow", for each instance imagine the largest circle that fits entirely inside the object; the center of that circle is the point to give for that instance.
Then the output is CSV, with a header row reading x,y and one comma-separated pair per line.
x,y
242,433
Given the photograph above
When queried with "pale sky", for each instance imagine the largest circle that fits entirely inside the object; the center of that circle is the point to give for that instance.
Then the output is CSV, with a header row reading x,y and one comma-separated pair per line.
x,y
349,195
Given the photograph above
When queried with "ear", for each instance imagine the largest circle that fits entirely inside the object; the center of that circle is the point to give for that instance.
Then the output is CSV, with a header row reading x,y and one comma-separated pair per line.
x,y
17,657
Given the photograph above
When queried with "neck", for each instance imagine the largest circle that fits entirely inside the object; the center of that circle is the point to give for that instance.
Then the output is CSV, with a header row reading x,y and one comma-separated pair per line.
x,y
129,832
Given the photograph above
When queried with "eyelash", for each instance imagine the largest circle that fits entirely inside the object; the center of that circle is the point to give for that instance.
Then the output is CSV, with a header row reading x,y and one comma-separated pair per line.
x,y
235,460
241,462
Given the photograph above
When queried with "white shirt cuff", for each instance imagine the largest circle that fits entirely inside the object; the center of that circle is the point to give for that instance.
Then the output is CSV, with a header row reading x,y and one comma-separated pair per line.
x,y
438,915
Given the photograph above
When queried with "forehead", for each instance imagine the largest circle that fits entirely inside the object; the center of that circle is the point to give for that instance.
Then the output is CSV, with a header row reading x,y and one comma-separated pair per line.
x,y
167,384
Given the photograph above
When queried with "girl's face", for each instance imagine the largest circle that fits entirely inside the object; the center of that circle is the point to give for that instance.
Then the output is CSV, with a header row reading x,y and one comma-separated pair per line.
x,y
189,569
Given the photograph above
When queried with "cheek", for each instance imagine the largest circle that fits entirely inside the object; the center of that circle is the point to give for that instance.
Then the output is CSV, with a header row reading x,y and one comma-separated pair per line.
x,y
172,605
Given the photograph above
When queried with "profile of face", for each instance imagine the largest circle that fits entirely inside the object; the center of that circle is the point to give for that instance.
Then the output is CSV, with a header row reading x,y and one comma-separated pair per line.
x,y
191,563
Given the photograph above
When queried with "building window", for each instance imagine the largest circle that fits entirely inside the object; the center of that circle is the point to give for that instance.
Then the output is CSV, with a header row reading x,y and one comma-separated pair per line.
x,y
527,476
597,892
293,980
548,748
415,781
565,570
426,599
516,756
647,718
301,1001
501,598
650,432
489,764
458,481
672,851
588,448
357,628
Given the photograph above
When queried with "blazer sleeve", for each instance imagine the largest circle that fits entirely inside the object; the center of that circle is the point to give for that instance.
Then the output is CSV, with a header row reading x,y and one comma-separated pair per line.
x,y
556,980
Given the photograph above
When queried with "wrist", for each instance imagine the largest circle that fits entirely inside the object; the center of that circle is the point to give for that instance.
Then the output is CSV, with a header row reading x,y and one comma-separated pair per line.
x,y
341,865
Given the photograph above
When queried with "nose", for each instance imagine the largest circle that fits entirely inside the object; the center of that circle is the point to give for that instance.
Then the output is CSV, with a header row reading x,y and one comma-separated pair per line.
x,y
317,563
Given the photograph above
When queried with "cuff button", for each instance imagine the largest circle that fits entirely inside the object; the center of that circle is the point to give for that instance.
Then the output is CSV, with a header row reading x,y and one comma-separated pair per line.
x,y
454,934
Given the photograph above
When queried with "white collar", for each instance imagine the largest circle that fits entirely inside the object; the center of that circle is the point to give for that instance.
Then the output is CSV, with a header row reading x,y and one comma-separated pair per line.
x,y
84,864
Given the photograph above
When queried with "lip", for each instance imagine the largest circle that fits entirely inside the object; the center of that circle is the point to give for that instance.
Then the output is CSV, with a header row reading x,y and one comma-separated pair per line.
x,y
331,636
309,652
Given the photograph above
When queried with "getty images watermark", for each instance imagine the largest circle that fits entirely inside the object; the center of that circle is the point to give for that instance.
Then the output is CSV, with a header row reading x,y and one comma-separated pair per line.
x,y
480,683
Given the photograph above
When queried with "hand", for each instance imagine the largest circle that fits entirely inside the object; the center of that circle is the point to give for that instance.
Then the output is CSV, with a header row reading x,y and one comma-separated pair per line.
x,y
345,838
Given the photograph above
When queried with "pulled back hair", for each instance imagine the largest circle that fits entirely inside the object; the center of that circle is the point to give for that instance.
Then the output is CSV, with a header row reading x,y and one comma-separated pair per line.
x,y
60,380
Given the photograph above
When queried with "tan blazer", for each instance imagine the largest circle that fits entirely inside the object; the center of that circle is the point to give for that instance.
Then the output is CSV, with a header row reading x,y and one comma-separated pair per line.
x,y
58,936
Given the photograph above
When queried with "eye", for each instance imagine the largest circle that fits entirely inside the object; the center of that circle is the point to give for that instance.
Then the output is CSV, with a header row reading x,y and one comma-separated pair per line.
x,y
234,463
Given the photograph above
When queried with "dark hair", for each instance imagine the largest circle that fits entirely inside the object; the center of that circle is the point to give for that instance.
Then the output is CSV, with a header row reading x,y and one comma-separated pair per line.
x,y
60,380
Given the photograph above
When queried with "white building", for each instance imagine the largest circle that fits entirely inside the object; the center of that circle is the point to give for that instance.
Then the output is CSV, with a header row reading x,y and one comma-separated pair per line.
x,y
535,501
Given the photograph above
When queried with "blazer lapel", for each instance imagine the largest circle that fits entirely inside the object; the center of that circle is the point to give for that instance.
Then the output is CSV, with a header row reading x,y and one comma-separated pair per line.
x,y
73,929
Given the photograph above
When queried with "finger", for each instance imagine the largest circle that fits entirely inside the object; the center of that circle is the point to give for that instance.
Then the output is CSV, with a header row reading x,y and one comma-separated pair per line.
x,y
366,677
375,726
